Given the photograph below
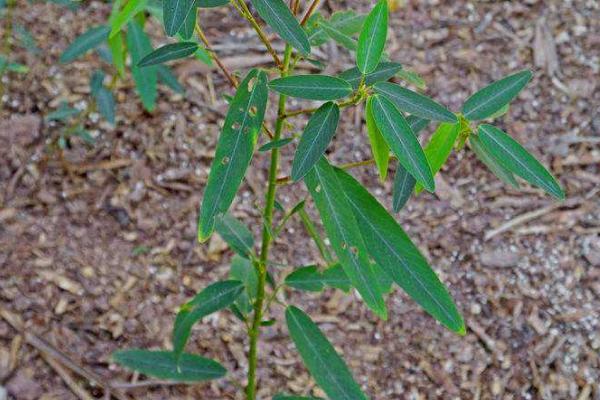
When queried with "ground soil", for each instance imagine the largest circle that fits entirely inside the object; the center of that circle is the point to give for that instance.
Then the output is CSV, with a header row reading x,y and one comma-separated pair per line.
x,y
97,243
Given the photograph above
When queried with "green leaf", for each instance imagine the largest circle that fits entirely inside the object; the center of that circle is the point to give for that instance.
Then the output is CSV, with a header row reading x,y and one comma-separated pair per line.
x,y
404,184
440,146
345,22
165,365
312,87
213,298
235,233
344,233
511,155
485,156
412,77
417,124
175,12
169,52
339,37
414,103
118,53
119,19
145,80
319,131
393,250
62,113
379,147
6,65
275,144
166,76
89,40
335,277
234,149
383,72
243,270
286,397
279,17
372,38
322,361
186,31
105,102
306,278
493,97
212,3
402,141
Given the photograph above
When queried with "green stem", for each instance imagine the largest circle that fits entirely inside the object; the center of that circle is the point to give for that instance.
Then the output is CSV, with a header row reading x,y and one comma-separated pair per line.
x,y
314,234
261,264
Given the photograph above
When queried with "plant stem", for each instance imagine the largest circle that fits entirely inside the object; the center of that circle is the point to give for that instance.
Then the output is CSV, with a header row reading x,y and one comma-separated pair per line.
x,y
261,265
310,11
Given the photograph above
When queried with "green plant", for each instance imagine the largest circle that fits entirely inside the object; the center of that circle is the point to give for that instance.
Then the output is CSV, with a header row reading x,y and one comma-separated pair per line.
x,y
368,250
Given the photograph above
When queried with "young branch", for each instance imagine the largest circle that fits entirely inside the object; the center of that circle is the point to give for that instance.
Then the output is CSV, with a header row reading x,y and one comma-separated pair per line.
x,y
311,9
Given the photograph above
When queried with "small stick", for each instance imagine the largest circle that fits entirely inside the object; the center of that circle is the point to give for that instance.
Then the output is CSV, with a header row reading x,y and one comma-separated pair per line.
x,y
68,379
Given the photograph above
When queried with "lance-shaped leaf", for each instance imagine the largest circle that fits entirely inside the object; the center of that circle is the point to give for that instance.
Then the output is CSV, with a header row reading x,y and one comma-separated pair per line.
x,y
312,87
234,149
145,80
316,137
279,17
372,38
383,72
166,76
213,298
335,277
402,141
275,144
175,13
171,51
339,37
393,250
166,365
493,97
379,147
118,53
345,22
497,169
307,278
286,397
89,40
440,146
344,233
235,233
105,102
212,3
417,124
512,156
414,103
243,270
120,18
186,30
404,184
322,361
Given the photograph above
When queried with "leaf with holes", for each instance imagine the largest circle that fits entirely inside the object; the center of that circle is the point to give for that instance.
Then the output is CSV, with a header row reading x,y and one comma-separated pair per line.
x,y
145,80
393,250
87,41
496,95
372,38
344,233
414,103
319,131
279,17
402,140
213,298
322,361
166,365
234,149
511,155
169,52
312,87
